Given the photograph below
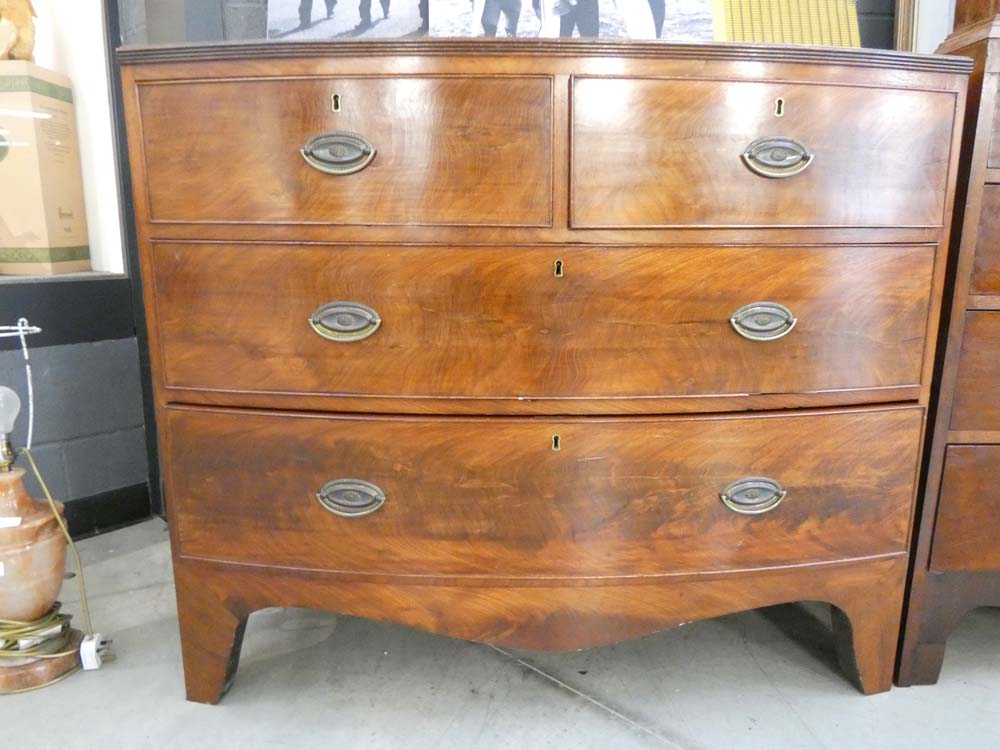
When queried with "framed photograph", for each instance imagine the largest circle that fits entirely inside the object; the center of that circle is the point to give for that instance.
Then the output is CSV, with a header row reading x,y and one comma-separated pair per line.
x,y
676,20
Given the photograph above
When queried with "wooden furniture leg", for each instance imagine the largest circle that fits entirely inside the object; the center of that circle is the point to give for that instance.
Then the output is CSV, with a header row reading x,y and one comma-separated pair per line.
x,y
866,597
865,633
211,637
938,602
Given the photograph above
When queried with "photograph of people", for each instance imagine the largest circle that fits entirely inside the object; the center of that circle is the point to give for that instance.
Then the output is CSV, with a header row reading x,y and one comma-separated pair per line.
x,y
333,19
681,20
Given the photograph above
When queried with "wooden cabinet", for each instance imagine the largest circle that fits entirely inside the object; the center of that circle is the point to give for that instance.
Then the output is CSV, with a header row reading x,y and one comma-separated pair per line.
x,y
548,344
957,552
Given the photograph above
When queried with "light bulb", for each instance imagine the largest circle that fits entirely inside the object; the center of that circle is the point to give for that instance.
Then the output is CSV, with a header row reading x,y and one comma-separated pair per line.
x,y
10,407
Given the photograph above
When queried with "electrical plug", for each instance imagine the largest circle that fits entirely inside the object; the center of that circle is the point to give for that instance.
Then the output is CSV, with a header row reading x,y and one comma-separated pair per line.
x,y
94,651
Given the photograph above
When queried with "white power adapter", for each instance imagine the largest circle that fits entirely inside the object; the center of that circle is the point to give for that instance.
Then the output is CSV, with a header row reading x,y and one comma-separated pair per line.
x,y
94,651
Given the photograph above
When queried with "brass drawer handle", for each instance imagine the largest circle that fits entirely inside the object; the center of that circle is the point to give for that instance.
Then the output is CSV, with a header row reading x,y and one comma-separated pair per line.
x,y
351,498
753,495
763,321
777,157
339,152
345,321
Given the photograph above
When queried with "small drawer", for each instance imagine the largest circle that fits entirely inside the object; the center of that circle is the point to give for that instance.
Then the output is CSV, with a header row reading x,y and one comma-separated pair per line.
x,y
671,152
557,324
523,498
967,530
986,272
448,150
977,405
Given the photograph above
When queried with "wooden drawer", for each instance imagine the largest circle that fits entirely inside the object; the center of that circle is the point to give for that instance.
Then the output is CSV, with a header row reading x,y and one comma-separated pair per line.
x,y
967,530
491,497
993,160
986,271
977,405
661,153
448,150
498,324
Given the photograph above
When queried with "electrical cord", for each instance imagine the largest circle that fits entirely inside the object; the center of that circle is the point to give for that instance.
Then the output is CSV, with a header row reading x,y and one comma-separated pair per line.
x,y
12,631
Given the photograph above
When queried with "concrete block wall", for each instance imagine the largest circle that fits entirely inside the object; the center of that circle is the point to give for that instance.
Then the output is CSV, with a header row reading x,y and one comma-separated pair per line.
x,y
89,437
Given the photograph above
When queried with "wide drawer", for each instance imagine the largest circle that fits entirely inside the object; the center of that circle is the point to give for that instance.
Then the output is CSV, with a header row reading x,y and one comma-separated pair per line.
x,y
976,405
448,150
493,497
967,531
542,323
662,152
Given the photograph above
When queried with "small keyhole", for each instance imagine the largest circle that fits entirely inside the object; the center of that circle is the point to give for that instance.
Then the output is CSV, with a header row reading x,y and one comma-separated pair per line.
x,y
779,107
335,102
555,442
559,275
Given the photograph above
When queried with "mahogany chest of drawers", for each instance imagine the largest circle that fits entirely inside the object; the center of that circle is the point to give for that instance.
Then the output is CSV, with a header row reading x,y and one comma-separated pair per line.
x,y
549,344
957,555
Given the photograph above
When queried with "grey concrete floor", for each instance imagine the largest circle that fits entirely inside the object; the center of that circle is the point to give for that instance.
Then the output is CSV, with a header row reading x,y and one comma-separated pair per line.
x,y
763,679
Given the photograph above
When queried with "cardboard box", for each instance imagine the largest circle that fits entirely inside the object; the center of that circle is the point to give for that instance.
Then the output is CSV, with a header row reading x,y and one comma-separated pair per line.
x,y
43,225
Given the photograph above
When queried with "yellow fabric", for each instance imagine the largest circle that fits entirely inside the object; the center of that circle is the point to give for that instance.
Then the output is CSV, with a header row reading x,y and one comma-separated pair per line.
x,y
817,22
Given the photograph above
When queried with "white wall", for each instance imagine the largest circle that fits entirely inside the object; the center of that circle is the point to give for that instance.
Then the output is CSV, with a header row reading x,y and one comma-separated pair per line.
x,y
935,20
70,39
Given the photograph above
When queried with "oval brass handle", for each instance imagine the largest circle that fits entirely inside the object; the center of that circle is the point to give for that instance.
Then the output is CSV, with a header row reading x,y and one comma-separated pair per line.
x,y
351,498
345,321
338,152
763,321
753,495
777,157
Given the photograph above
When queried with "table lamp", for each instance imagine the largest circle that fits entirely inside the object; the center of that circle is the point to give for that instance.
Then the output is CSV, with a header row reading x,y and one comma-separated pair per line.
x,y
32,566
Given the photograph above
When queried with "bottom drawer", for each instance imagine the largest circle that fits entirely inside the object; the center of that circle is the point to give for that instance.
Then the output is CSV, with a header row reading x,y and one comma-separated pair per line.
x,y
551,497
967,530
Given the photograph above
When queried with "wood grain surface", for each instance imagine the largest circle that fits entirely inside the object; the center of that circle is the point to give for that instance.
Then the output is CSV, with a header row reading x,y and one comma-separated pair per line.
x,y
448,150
668,152
967,531
497,324
491,498
976,405
957,509
986,271
215,600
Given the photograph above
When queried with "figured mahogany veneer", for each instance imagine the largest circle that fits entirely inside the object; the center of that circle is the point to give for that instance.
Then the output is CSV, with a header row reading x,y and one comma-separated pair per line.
x,y
546,423
482,323
196,142
490,498
883,153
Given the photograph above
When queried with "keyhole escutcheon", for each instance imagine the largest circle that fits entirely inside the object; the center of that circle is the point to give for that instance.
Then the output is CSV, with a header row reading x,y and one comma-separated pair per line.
x,y
779,107
558,272
335,103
